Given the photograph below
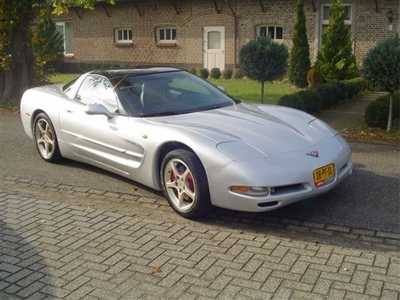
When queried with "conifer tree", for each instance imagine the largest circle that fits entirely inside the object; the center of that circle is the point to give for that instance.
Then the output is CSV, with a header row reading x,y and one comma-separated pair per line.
x,y
300,54
336,60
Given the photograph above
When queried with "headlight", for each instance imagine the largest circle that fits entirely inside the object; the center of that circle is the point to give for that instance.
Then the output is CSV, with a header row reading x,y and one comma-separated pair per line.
x,y
322,126
240,152
250,190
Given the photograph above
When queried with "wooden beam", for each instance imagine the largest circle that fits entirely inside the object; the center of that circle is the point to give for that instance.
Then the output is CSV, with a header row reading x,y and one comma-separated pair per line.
x,y
262,6
314,8
216,6
80,14
230,7
138,8
175,7
106,10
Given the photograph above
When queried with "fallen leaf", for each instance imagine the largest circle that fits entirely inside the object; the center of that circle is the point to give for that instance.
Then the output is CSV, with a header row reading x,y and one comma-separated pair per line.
x,y
64,233
78,228
42,221
393,259
293,236
157,270
316,241
135,189
345,269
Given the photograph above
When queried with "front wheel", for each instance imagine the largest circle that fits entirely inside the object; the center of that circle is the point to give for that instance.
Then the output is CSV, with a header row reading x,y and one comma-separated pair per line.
x,y
185,184
46,138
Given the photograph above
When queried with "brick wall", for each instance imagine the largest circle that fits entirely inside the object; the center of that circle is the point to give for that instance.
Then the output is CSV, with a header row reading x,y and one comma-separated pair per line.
x,y
94,30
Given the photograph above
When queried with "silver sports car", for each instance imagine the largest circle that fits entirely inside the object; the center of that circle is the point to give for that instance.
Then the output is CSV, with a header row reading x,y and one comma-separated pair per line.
x,y
172,131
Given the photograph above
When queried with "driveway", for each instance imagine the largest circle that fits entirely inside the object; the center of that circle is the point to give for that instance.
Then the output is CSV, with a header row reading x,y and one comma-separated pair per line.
x,y
368,200
70,231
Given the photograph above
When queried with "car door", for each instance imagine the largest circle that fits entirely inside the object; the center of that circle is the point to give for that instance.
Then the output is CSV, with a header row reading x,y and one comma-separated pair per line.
x,y
96,139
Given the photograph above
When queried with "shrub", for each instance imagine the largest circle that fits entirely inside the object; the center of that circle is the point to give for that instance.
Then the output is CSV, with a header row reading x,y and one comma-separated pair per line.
x,y
193,71
203,73
359,84
330,94
237,74
377,112
316,98
215,73
47,46
263,60
227,74
314,77
294,101
311,100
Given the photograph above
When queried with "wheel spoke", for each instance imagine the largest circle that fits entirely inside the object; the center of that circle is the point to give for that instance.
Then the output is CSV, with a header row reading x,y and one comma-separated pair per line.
x,y
178,181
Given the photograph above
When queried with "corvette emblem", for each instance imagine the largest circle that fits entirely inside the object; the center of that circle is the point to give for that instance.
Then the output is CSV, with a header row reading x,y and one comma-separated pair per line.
x,y
313,153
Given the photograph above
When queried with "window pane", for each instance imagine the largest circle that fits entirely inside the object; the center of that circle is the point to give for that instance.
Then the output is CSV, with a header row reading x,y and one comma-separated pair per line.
x,y
347,12
130,35
174,34
279,33
214,40
120,35
68,38
168,31
162,34
271,32
325,15
263,31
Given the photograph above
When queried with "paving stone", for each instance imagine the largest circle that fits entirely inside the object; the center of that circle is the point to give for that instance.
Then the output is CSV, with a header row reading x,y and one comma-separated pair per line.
x,y
132,257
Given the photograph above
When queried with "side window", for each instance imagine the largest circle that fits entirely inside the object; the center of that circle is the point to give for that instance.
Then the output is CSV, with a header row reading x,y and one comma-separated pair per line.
x,y
97,89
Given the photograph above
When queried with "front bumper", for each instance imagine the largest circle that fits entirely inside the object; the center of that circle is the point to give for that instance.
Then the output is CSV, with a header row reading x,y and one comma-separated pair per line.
x,y
289,177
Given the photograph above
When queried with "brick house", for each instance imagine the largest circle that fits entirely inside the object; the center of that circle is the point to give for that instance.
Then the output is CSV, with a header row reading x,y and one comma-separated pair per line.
x,y
209,33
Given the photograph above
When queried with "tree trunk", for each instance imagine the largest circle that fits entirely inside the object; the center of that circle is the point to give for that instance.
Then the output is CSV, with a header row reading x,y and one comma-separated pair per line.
x,y
262,92
20,77
390,118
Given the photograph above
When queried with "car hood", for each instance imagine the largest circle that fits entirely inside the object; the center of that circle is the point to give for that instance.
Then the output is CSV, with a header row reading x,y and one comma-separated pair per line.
x,y
268,128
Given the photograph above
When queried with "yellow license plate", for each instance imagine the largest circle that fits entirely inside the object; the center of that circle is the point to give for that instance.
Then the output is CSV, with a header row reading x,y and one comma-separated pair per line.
x,y
323,173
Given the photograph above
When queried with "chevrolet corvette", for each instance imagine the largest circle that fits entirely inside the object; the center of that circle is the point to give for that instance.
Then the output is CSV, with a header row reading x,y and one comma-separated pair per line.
x,y
175,132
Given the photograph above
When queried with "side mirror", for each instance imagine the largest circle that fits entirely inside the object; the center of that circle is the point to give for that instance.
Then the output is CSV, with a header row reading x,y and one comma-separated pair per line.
x,y
98,109
222,89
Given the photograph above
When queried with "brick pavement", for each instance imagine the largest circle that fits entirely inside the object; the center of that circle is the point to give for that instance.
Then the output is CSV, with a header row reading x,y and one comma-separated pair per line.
x,y
53,245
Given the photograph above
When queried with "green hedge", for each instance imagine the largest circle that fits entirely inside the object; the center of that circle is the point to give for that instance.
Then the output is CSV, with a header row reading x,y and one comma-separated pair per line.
x,y
315,98
377,112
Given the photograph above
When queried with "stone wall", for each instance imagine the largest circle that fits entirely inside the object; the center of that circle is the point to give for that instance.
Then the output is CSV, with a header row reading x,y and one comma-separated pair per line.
x,y
93,30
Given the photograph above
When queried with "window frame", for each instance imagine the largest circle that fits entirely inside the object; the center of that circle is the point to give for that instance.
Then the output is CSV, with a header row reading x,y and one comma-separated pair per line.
x,y
266,26
165,40
325,22
124,40
67,34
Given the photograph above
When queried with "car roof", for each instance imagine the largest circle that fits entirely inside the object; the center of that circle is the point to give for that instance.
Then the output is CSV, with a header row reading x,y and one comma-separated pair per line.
x,y
118,73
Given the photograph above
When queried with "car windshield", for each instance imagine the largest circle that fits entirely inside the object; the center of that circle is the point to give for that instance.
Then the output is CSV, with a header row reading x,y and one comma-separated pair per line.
x,y
168,93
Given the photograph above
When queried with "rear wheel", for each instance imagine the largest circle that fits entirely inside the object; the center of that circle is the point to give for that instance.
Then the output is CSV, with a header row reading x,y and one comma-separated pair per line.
x,y
185,184
46,138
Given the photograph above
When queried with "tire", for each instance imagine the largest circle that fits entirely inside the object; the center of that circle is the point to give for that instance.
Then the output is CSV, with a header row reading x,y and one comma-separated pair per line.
x,y
45,138
185,184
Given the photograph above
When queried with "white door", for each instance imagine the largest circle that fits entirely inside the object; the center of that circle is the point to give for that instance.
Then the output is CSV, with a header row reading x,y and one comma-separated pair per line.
x,y
214,47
